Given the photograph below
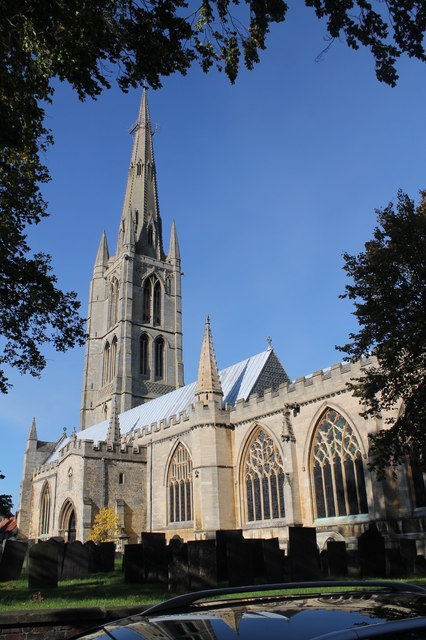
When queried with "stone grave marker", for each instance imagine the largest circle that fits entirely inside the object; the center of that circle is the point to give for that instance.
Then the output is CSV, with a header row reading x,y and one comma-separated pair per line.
x,y
223,536
372,557
178,576
94,561
133,563
240,562
408,550
202,564
337,559
272,558
420,566
303,554
254,548
106,556
43,565
75,564
154,557
395,567
12,559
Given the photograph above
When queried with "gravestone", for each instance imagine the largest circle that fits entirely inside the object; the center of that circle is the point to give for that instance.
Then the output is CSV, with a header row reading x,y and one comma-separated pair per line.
x,y
395,567
202,564
272,558
372,557
420,566
94,561
75,563
106,556
240,562
133,563
337,559
43,565
154,557
303,554
254,549
223,536
352,557
408,554
12,559
178,576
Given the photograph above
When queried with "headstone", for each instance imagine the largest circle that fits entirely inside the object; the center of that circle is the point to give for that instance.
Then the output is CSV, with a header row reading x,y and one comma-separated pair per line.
x,y
61,546
133,563
76,561
94,556
202,564
178,576
337,560
43,565
12,559
408,553
254,548
372,558
420,566
107,556
273,561
240,562
223,536
394,564
352,557
303,554
154,557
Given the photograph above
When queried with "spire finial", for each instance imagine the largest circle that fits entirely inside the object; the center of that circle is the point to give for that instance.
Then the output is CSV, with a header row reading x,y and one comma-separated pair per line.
x,y
269,340
114,435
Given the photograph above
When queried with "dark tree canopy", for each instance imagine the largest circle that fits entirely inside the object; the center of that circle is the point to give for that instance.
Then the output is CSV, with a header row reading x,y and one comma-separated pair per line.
x,y
6,503
389,294
86,43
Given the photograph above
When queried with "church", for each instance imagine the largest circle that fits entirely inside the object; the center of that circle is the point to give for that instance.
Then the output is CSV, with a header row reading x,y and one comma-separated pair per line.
x,y
241,448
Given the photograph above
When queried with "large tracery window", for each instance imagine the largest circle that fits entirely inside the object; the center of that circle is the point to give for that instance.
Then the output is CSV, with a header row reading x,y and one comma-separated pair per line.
x,y
337,470
180,486
44,511
263,479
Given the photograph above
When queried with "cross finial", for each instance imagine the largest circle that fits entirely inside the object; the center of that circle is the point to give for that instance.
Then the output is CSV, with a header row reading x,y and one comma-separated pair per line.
x,y
269,340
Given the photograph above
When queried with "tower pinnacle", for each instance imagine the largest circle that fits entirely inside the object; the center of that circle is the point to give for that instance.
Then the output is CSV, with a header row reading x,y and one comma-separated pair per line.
x,y
208,383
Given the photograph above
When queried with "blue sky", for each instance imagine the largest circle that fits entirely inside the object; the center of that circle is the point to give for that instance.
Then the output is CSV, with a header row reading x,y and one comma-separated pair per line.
x,y
269,181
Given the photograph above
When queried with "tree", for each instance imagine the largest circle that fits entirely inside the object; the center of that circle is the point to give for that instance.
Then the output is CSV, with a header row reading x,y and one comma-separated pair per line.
x,y
6,504
389,294
106,527
141,41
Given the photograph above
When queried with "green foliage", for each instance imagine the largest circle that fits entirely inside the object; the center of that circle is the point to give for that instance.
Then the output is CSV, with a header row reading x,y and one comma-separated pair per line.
x,y
6,504
106,527
389,294
141,41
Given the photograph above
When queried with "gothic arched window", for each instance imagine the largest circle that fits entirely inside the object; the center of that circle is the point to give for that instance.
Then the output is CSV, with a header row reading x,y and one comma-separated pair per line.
x,y
44,511
144,343
150,236
337,470
157,303
113,303
113,358
67,521
106,364
159,358
179,484
263,478
146,311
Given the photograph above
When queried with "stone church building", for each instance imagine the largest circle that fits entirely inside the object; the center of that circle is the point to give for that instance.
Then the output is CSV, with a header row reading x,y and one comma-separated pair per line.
x,y
242,448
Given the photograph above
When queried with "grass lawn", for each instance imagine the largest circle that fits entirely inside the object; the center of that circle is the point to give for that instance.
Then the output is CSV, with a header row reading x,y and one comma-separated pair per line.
x,y
99,590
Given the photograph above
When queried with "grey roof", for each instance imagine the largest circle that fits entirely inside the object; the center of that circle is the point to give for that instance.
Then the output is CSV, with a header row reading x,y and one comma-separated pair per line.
x,y
237,383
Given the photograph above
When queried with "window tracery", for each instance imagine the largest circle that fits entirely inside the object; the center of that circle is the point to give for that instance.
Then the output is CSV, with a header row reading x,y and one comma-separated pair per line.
x,y
180,486
263,479
337,470
44,511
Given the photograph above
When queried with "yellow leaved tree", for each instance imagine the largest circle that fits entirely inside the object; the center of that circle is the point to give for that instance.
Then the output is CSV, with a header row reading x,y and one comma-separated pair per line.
x,y
106,527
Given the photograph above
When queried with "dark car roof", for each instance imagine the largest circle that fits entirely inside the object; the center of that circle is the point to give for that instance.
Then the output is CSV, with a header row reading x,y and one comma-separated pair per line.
x,y
272,616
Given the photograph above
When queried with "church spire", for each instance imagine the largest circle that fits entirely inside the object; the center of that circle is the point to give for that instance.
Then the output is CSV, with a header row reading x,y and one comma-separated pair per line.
x,y
208,383
102,256
114,435
174,254
140,208
32,435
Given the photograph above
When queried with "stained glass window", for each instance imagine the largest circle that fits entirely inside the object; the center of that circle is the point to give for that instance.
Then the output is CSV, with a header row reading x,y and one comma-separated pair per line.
x,y
263,479
45,511
337,470
180,486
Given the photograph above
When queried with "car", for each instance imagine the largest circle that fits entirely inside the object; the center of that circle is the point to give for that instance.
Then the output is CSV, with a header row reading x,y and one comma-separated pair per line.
x,y
346,610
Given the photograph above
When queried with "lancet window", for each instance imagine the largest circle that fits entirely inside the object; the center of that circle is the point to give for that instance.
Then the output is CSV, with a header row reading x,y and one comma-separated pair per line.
x,y
337,470
106,363
180,486
110,361
159,358
113,358
146,311
113,303
44,511
157,303
144,351
263,479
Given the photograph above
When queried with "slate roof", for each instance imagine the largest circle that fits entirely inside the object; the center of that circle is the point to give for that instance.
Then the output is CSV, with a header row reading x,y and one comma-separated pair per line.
x,y
238,381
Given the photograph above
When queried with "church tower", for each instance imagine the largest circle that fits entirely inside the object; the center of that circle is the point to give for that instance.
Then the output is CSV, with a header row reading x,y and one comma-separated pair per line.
x,y
134,344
